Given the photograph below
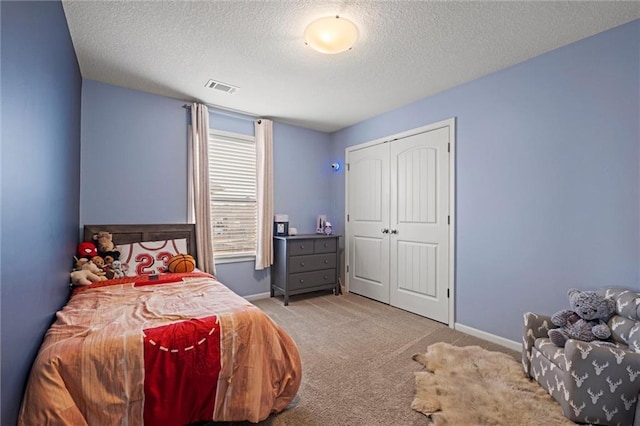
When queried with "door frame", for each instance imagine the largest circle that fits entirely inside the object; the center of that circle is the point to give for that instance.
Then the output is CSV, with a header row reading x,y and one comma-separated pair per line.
x,y
451,123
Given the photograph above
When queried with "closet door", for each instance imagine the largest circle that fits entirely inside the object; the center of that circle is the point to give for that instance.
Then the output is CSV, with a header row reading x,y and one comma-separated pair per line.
x,y
368,221
419,230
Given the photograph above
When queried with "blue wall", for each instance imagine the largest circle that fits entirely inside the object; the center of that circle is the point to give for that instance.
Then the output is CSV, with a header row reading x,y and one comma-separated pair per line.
x,y
547,172
302,172
134,167
41,89
134,157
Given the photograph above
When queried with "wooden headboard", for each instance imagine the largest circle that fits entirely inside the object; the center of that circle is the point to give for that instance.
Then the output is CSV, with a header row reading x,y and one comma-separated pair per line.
x,y
125,234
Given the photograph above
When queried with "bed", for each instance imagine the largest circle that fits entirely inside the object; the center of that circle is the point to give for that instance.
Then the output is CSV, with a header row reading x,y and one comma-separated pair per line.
x,y
159,349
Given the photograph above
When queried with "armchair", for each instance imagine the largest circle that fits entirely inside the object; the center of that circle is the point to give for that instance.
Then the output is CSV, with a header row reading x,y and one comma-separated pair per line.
x,y
593,384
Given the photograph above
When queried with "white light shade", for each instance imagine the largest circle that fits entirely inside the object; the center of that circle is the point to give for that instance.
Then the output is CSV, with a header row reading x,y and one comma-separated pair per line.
x,y
331,35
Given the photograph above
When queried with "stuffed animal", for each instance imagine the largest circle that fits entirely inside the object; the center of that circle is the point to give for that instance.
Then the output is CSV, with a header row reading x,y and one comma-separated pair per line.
x,y
585,320
79,263
106,246
117,268
105,241
108,268
87,275
98,261
87,250
99,269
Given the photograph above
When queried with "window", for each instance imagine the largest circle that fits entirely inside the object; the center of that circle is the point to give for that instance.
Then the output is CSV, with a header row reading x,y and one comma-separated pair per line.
x,y
232,181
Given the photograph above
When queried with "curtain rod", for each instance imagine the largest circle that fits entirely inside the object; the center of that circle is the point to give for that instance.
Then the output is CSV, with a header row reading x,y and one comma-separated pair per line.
x,y
232,114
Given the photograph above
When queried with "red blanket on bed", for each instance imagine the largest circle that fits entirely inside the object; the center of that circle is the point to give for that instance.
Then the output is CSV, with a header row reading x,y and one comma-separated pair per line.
x,y
181,362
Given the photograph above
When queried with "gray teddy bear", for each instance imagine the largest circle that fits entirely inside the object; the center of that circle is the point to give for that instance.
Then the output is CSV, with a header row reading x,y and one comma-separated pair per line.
x,y
585,320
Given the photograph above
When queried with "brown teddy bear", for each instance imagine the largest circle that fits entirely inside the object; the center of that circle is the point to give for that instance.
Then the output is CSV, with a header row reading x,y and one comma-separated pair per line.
x,y
105,241
105,244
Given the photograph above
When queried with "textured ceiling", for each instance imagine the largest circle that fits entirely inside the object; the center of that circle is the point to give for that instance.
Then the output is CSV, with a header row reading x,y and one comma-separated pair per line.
x,y
407,49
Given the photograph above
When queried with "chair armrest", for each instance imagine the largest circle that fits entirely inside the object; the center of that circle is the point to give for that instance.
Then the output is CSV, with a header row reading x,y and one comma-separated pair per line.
x,y
609,366
602,380
535,326
577,351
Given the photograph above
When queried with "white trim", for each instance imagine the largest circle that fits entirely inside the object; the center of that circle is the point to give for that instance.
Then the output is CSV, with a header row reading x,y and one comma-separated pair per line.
x,y
219,260
257,296
452,219
510,344
390,138
451,123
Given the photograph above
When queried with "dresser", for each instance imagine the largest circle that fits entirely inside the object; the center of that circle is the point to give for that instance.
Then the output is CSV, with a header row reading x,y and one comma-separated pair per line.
x,y
304,263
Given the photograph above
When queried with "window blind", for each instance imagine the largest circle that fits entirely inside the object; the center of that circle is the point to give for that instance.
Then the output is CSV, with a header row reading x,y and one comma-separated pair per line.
x,y
232,176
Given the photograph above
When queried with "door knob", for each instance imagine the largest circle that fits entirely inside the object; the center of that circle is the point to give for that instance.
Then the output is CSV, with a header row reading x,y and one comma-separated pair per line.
x,y
394,231
385,230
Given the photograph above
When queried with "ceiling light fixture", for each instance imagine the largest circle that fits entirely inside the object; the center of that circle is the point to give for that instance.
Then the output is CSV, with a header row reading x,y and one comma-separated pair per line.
x,y
331,34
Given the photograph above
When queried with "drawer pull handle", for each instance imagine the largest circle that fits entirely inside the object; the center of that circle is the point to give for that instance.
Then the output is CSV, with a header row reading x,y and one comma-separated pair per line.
x,y
302,264
301,247
326,245
326,261
301,281
326,277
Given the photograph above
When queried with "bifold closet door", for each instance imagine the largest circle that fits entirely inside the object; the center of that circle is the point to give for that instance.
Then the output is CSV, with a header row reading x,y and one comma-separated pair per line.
x,y
368,221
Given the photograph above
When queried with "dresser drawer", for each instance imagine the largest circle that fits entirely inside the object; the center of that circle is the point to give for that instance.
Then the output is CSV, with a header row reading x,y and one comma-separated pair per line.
x,y
298,247
312,262
324,245
311,279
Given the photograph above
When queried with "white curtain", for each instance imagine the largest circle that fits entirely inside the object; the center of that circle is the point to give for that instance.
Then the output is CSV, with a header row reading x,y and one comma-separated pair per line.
x,y
199,195
264,171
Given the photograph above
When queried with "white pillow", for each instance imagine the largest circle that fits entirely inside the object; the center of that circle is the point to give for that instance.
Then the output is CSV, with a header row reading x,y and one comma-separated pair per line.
x,y
149,257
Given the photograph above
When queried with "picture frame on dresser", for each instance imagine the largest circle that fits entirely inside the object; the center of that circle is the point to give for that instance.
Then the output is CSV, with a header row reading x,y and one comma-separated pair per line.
x,y
303,264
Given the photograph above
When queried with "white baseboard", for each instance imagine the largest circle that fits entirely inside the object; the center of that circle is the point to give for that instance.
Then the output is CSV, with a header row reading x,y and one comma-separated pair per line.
x,y
257,296
510,344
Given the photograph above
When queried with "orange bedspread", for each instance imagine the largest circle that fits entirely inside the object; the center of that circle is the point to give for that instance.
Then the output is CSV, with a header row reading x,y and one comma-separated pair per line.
x,y
167,353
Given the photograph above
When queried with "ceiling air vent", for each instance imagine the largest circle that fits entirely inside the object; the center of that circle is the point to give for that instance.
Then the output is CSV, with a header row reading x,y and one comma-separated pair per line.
x,y
223,87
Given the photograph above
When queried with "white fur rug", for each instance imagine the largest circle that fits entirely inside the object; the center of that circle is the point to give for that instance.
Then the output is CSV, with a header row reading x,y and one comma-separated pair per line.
x,y
473,386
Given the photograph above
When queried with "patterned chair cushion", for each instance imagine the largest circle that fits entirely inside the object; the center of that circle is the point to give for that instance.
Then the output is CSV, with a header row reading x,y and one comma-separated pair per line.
x,y
625,324
625,332
627,302
552,352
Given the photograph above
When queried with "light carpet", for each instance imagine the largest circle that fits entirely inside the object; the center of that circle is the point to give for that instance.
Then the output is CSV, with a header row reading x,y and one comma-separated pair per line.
x,y
473,386
356,359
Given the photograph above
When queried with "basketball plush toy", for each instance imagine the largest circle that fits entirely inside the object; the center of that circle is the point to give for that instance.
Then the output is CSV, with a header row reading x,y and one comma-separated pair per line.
x,y
181,263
